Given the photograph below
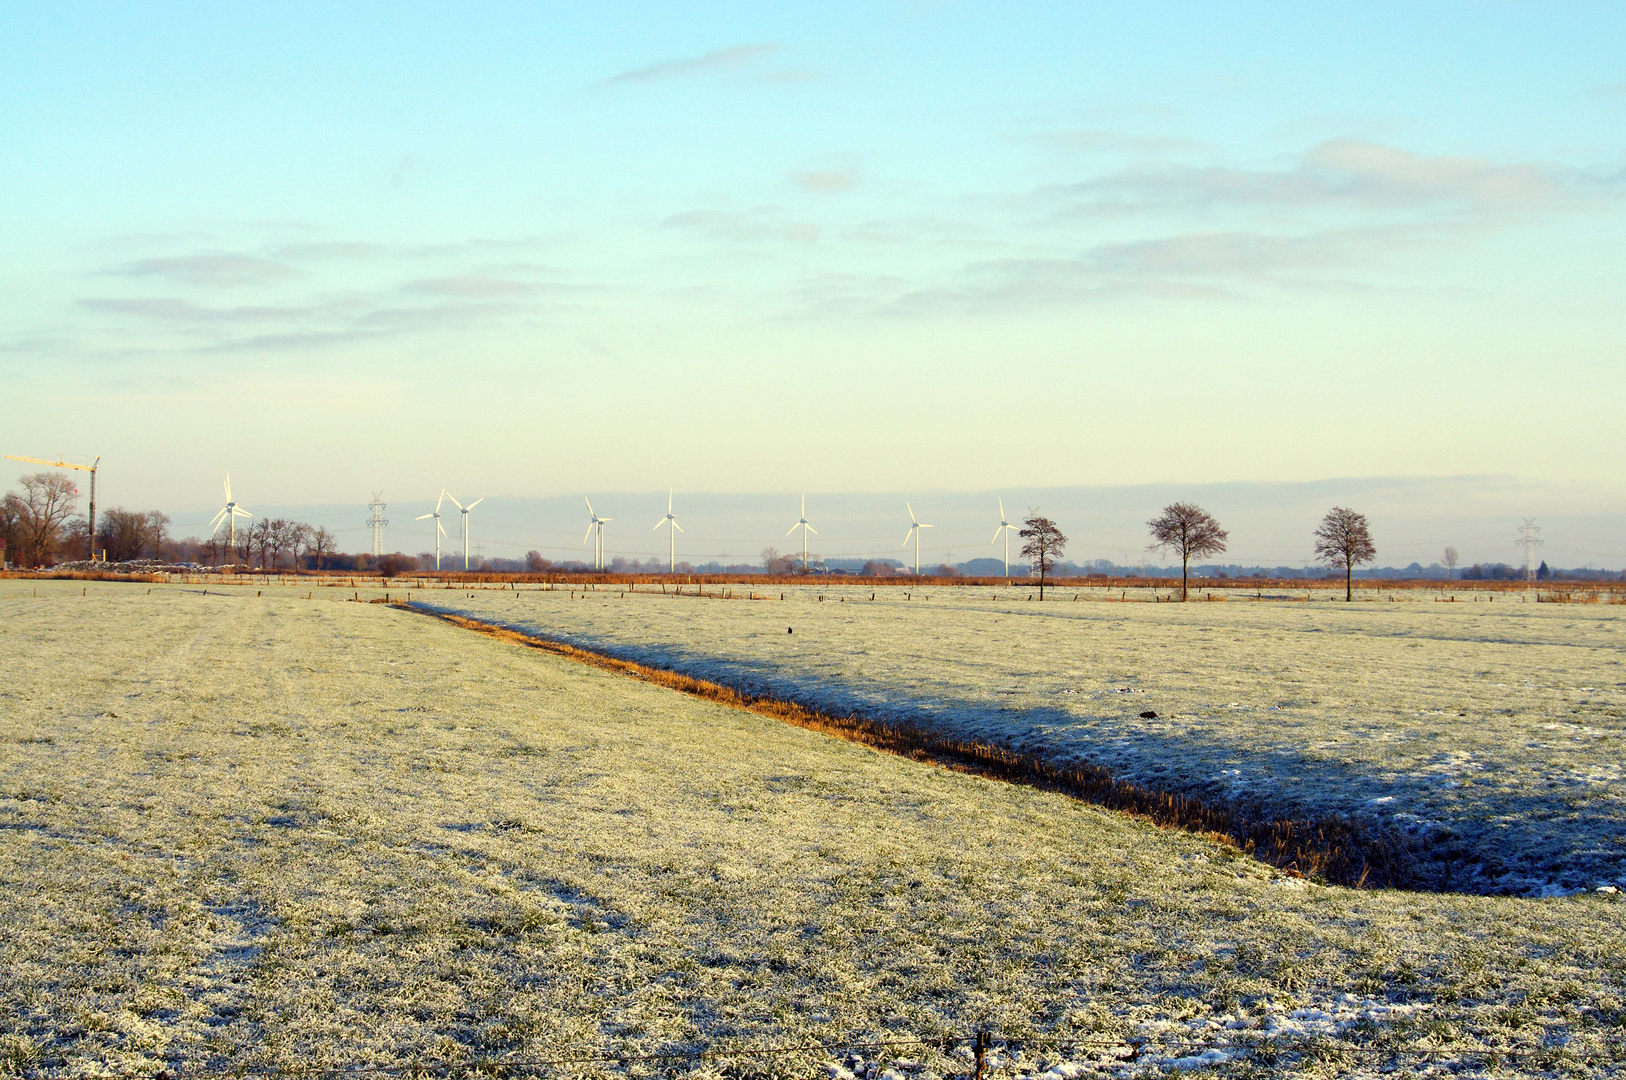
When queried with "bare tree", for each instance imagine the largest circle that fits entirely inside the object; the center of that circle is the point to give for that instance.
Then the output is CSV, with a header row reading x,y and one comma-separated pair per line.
x,y
285,536
1344,541
40,516
130,534
322,543
1190,530
1451,560
298,541
259,539
243,550
777,564
1045,544
10,530
396,564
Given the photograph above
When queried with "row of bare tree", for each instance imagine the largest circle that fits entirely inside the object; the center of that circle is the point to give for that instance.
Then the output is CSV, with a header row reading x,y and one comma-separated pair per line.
x,y
273,543
1343,540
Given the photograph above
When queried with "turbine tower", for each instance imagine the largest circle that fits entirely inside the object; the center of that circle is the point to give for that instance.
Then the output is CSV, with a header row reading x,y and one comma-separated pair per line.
x,y
595,522
806,528
440,530
378,522
1530,542
465,522
1006,528
914,534
671,548
229,515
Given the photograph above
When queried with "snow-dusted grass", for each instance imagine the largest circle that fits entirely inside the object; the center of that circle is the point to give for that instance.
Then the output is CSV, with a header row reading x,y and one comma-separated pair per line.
x,y
277,831
1494,729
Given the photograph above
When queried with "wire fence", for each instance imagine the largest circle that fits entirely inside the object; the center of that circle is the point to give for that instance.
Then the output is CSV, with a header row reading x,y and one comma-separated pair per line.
x,y
976,1056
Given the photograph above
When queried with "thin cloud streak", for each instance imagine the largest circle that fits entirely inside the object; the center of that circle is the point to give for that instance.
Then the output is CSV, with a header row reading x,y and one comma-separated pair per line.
x,y
729,59
177,310
1348,173
826,181
469,285
736,227
213,269
1010,284
1097,140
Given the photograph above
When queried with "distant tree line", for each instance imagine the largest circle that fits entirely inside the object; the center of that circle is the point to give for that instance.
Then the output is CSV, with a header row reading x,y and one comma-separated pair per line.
x,y
40,526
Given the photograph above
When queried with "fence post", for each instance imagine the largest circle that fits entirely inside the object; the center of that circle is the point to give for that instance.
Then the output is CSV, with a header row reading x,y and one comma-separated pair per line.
x,y
981,1049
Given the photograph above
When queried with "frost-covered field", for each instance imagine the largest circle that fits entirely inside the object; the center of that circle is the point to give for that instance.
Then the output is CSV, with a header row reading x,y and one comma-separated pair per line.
x,y
274,831
1495,729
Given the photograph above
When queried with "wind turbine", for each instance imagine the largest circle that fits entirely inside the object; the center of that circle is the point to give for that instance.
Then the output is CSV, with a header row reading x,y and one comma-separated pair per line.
x,y
440,530
465,523
596,522
1007,528
914,534
671,519
805,527
229,514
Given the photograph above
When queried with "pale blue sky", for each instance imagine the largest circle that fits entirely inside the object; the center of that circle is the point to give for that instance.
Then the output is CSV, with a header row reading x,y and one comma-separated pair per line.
x,y
539,250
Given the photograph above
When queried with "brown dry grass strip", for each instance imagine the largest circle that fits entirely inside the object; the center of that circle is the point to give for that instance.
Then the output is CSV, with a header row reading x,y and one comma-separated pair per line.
x,y
1331,849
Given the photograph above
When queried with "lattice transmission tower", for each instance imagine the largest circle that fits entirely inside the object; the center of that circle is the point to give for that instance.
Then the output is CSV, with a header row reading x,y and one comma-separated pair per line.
x,y
378,521
1530,542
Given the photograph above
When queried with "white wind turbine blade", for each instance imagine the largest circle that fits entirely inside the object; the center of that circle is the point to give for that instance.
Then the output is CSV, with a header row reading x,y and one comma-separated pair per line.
x,y
215,524
442,529
589,503
911,511
439,501
908,536
661,522
811,529
676,526
1002,511
601,521
793,528
589,535
1002,528
242,512
475,503
923,525
420,517
228,487
668,501
454,500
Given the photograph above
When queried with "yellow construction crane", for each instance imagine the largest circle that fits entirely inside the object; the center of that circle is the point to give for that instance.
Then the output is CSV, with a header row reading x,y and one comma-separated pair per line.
x,y
91,469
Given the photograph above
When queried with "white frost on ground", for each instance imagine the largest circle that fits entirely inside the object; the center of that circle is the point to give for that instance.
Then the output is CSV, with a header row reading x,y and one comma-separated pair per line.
x,y
1493,733
263,831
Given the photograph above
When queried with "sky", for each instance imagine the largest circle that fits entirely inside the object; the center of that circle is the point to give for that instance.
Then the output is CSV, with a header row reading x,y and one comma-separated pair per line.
x,y
878,248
